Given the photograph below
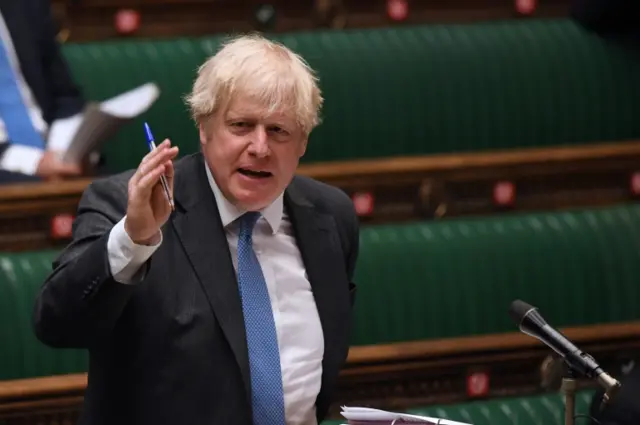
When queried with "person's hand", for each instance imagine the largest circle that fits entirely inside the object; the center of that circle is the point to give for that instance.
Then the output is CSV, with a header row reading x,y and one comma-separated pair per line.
x,y
52,167
148,208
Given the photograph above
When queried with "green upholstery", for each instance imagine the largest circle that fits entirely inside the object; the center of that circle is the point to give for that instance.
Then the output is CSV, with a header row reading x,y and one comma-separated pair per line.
x,y
22,355
458,277
546,409
425,280
404,90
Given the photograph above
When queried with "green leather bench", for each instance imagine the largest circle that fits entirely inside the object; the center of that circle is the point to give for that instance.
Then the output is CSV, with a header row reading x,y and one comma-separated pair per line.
x,y
546,409
21,354
454,278
422,281
403,90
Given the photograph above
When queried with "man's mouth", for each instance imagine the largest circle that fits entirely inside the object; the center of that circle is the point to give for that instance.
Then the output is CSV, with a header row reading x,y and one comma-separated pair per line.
x,y
254,173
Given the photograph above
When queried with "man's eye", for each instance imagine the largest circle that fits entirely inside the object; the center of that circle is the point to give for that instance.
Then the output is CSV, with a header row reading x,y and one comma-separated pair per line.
x,y
278,130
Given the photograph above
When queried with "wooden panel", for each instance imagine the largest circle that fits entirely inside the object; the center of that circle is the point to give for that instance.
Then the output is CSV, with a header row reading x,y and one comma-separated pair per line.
x,y
85,20
401,189
402,375
437,186
38,215
394,376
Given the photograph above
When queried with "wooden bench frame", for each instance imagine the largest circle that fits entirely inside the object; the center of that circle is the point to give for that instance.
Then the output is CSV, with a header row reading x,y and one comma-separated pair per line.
x,y
400,189
179,18
394,376
450,185
37,216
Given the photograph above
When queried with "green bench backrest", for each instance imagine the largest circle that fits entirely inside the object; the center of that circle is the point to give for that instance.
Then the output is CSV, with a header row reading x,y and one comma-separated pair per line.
x,y
454,278
421,281
21,354
545,409
404,91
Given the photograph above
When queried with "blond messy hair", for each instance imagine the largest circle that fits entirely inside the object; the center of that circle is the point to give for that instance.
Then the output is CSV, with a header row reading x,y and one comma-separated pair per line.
x,y
262,70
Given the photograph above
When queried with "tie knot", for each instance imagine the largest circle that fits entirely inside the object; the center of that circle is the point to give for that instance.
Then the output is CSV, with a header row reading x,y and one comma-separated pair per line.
x,y
248,222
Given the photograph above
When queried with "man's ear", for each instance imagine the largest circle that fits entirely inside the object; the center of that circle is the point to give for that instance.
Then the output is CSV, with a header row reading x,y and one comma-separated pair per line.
x,y
202,130
303,148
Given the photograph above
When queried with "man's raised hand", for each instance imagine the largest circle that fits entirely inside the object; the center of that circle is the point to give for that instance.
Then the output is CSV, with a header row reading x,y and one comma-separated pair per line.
x,y
147,207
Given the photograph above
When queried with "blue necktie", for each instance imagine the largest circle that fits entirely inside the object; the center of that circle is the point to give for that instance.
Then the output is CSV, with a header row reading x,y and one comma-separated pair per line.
x,y
262,341
13,111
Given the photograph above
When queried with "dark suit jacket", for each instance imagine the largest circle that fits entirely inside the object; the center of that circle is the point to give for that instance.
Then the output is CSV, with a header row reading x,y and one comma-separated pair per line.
x,y
33,34
171,349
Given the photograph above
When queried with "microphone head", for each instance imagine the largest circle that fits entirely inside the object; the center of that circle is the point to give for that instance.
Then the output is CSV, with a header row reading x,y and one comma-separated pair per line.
x,y
518,309
527,317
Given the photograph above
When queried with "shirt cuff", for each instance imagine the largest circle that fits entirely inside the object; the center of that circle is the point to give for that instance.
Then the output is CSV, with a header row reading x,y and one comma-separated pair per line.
x,y
126,258
21,159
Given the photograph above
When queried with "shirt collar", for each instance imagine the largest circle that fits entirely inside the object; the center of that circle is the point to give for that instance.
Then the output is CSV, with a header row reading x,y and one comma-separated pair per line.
x,y
229,212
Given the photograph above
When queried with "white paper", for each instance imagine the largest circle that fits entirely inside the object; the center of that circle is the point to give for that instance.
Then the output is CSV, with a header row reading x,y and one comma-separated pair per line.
x,y
364,414
62,132
131,103
77,136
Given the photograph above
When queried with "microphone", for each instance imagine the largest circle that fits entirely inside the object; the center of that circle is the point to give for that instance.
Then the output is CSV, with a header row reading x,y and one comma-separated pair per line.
x,y
531,323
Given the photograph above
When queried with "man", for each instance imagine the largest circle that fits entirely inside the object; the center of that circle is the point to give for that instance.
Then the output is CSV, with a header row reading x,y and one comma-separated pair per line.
x,y
37,92
196,316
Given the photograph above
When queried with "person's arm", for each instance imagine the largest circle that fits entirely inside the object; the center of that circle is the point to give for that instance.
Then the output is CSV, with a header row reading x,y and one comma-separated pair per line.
x,y
93,278
20,159
34,162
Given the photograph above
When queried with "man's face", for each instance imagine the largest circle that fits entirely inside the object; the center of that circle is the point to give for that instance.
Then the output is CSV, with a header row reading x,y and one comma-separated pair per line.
x,y
252,154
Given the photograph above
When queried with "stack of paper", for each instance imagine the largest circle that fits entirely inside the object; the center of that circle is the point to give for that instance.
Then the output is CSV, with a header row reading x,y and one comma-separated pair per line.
x,y
79,135
368,416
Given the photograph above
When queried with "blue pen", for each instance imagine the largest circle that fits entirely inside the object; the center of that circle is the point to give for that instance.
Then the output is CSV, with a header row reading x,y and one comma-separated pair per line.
x,y
163,179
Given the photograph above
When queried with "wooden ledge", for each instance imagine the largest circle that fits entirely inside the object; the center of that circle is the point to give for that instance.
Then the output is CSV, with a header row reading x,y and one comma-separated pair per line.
x,y
510,341
44,387
456,161
65,385
38,216
39,190
382,166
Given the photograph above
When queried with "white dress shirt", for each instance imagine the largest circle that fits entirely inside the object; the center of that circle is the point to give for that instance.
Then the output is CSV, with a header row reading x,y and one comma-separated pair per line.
x,y
298,327
20,158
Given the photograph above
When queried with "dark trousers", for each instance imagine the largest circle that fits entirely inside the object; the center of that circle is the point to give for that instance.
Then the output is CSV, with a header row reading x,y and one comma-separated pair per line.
x,y
8,177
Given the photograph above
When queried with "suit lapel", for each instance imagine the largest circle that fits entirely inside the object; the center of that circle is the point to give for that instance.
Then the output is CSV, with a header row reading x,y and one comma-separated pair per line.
x,y
199,228
316,235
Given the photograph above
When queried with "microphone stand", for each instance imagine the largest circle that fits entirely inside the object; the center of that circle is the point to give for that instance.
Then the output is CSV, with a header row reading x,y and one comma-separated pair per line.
x,y
568,389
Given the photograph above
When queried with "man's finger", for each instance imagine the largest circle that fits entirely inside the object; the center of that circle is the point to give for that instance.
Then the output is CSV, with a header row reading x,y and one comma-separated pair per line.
x,y
162,156
169,173
149,157
146,183
164,145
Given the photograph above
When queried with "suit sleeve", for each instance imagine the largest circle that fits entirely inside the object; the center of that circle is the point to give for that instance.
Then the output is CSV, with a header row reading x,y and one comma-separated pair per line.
x,y
80,302
67,96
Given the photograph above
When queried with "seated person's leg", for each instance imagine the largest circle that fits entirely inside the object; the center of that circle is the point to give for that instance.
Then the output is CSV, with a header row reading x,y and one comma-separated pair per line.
x,y
12,177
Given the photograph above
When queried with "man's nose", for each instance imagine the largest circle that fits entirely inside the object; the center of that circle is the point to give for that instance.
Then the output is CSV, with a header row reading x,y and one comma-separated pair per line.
x,y
259,143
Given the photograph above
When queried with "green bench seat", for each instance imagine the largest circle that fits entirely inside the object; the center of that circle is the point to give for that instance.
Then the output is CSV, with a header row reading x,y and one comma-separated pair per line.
x,y
422,281
22,355
404,90
545,409
452,278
